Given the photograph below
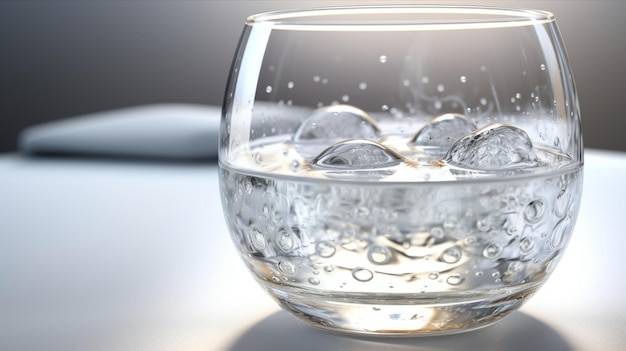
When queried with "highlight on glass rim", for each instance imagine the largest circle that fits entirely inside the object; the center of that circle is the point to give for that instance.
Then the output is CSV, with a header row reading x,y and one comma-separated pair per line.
x,y
401,170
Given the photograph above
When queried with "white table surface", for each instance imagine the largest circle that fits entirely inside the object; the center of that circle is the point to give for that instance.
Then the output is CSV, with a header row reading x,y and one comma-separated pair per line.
x,y
119,255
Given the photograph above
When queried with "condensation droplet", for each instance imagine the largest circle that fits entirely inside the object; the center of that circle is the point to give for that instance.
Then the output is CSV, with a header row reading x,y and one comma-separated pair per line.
x,y
438,105
455,279
479,273
451,255
362,274
382,58
362,86
287,268
290,85
433,275
345,98
275,279
316,78
406,82
325,249
314,281
378,254
324,80
329,269
268,89
441,88
492,251
483,101
425,80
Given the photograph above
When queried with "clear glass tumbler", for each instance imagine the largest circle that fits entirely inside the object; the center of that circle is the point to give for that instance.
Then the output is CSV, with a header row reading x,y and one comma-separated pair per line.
x,y
401,170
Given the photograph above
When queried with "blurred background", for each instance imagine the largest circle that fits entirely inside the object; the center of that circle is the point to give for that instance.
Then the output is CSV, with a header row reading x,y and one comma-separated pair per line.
x,y
65,58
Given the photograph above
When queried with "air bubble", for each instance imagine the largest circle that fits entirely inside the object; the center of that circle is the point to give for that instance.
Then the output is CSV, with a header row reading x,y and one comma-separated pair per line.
x,y
314,281
492,251
325,249
443,130
514,267
345,98
378,254
526,245
438,105
287,268
425,79
534,211
455,279
290,85
542,67
382,58
560,233
406,82
316,78
357,154
433,275
285,240
362,274
362,86
324,80
518,96
295,166
257,239
437,232
463,79
493,147
562,203
335,123
441,88
384,108
268,89
451,255
483,101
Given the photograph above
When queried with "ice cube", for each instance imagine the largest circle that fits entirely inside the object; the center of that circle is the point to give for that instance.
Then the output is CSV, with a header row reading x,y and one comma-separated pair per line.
x,y
443,131
357,154
335,123
493,147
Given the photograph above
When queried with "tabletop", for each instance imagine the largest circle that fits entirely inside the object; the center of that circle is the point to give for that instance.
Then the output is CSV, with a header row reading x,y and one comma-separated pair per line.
x,y
118,255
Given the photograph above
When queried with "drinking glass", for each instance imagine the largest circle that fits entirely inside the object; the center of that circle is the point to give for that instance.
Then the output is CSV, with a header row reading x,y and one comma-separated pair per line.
x,y
401,170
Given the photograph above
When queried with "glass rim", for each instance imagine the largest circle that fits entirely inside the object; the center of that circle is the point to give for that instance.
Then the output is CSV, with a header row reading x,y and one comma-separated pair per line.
x,y
400,17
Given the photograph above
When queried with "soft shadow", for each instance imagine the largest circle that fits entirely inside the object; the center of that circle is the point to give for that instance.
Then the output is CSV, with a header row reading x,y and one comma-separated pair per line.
x,y
283,332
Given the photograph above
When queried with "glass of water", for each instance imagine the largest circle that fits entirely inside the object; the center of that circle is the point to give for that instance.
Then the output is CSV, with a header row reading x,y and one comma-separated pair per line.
x,y
401,170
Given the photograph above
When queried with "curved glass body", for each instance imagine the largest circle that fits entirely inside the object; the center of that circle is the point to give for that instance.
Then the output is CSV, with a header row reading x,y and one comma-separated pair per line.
x,y
401,169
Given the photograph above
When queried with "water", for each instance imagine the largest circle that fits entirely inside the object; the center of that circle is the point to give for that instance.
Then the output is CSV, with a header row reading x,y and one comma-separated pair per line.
x,y
388,222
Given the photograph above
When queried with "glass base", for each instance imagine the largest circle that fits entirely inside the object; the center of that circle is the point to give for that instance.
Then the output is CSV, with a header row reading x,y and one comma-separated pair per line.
x,y
400,315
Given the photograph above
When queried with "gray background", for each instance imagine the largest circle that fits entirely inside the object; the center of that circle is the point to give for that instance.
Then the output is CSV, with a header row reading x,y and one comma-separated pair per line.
x,y
64,58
